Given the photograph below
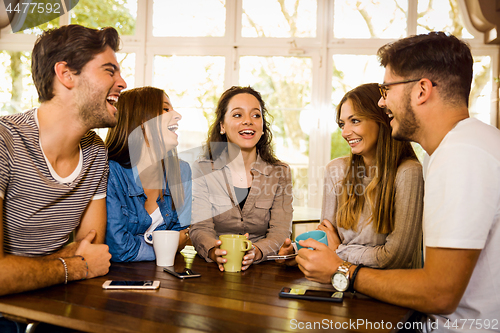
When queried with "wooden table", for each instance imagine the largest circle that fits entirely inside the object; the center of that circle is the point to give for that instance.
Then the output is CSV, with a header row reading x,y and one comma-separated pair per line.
x,y
217,302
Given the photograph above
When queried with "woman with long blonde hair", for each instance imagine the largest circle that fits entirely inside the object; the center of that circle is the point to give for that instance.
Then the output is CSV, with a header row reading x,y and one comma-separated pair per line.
x,y
373,198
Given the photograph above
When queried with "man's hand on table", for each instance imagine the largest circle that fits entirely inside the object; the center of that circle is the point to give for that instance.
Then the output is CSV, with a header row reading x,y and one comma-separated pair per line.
x,y
97,256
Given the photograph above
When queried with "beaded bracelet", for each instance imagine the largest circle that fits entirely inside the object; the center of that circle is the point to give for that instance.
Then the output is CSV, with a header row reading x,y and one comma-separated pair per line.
x,y
65,270
86,266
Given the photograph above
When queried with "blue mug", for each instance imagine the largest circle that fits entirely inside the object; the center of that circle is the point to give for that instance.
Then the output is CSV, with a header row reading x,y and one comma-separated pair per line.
x,y
318,235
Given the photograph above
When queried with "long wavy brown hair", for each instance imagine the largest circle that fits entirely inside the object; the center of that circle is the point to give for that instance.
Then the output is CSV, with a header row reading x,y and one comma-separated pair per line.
x,y
390,153
264,146
135,107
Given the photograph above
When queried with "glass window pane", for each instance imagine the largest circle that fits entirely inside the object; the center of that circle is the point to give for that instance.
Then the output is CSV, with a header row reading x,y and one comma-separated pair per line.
x,y
281,19
30,17
189,18
17,91
440,16
370,18
119,14
480,96
194,85
40,28
127,67
349,71
285,84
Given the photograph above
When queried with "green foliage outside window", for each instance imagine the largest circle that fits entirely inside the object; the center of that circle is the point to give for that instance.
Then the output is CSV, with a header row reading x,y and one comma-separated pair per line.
x,y
89,13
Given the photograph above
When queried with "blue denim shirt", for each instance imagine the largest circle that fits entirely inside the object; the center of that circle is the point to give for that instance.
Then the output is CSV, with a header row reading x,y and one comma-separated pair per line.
x,y
128,220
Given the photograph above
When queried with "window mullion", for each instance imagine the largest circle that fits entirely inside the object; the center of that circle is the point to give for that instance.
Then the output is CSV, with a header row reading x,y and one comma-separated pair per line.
x,y
142,30
411,23
319,138
233,32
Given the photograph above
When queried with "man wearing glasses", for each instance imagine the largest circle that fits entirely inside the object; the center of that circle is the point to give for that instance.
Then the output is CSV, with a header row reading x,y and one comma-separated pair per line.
x,y
426,93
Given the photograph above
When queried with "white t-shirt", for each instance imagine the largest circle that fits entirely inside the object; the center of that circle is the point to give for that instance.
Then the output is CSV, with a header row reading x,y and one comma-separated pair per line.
x,y
157,219
462,210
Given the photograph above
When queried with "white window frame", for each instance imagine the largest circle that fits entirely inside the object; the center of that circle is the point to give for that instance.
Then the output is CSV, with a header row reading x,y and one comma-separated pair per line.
x,y
320,49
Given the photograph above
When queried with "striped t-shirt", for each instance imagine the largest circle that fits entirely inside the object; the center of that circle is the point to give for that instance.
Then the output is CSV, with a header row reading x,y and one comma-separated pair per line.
x,y
39,210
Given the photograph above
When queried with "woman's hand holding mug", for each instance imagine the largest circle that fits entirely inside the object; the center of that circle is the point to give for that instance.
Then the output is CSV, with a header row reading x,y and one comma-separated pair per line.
x,y
331,234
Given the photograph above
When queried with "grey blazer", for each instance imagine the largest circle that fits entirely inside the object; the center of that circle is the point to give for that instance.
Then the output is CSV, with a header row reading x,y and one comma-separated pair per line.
x,y
266,215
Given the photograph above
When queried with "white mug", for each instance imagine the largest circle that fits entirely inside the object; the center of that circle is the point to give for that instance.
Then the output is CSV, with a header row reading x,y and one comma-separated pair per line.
x,y
165,243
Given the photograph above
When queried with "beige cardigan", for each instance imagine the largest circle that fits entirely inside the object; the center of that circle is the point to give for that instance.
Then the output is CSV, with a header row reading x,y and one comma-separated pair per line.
x,y
266,215
402,248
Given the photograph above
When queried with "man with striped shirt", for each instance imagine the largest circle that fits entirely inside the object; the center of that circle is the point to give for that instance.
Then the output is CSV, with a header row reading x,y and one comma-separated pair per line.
x,y
53,168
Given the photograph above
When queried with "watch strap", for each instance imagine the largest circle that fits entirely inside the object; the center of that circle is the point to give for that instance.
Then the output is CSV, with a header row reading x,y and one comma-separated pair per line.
x,y
353,278
345,267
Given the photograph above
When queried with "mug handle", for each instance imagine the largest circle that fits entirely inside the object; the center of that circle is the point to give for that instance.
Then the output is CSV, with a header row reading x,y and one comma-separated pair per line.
x,y
146,238
249,245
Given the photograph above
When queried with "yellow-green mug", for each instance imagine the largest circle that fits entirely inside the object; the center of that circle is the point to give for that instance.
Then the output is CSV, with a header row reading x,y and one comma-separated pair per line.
x,y
235,246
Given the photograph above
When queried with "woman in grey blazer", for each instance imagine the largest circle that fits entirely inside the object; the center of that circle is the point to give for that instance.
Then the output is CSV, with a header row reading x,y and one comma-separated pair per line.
x,y
239,186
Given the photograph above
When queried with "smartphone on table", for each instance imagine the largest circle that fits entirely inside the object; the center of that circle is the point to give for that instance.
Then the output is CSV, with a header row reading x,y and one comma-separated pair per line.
x,y
131,285
313,295
286,256
185,274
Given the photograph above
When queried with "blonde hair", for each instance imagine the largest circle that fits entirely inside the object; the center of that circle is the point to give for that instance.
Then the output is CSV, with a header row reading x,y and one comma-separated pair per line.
x,y
380,192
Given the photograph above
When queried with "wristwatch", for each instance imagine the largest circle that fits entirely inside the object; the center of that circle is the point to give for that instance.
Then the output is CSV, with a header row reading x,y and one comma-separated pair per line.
x,y
340,279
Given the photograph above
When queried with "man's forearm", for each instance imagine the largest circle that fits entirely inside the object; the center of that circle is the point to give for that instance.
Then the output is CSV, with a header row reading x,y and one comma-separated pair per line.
x,y
23,273
405,288
67,251
436,288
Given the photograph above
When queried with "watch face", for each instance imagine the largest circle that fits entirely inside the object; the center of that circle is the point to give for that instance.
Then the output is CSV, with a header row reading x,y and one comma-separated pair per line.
x,y
340,282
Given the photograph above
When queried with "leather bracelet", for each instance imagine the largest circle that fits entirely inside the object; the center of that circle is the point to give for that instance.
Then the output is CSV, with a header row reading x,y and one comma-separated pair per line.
x,y
65,270
353,278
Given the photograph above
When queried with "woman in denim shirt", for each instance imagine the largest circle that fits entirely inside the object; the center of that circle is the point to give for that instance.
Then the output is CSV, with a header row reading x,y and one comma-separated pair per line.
x,y
148,187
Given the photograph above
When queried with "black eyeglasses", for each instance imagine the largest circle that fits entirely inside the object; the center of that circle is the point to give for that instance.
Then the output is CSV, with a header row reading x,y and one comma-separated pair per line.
x,y
383,87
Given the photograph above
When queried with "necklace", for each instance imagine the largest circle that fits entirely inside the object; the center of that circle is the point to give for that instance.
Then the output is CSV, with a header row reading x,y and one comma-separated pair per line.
x,y
241,178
